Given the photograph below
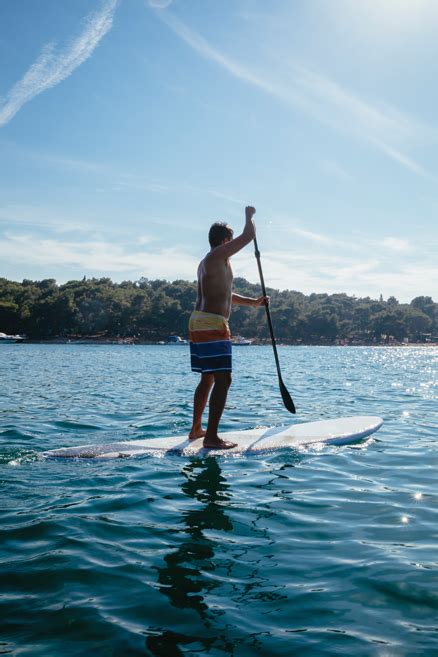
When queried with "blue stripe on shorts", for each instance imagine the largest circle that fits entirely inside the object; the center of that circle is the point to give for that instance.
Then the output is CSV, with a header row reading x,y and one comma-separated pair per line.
x,y
211,356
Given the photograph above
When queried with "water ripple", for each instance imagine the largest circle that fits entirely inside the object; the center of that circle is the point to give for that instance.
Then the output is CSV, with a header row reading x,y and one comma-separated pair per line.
x,y
318,551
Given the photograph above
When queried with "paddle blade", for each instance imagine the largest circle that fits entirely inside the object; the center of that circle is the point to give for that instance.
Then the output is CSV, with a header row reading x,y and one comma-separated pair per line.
x,y
287,399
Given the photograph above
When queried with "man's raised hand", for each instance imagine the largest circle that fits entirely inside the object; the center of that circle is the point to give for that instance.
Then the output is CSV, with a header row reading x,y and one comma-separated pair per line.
x,y
249,212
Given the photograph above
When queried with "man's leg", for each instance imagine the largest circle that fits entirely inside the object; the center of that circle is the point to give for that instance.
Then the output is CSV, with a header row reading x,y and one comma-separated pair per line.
x,y
199,403
218,397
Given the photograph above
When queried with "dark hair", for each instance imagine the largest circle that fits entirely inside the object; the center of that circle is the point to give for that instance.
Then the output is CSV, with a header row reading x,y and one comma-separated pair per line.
x,y
219,232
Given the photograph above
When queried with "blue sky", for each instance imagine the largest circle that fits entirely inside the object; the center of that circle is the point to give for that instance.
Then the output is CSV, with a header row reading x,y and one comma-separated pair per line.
x,y
128,126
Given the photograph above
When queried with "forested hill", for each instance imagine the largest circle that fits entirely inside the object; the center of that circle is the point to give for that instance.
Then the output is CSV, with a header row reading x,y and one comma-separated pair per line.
x,y
154,309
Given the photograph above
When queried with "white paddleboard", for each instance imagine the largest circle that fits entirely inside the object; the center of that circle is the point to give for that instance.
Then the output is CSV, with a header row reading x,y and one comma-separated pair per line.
x,y
341,431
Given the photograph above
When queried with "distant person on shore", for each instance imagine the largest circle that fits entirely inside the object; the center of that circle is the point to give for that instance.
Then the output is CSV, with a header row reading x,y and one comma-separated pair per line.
x,y
209,333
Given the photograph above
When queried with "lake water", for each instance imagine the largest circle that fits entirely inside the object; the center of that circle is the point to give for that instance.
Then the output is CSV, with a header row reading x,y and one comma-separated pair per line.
x,y
322,551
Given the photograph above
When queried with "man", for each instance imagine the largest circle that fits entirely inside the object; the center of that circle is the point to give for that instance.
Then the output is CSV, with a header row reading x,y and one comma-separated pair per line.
x,y
209,333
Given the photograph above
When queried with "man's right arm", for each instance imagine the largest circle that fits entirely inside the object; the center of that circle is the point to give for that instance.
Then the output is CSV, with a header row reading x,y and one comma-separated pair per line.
x,y
235,245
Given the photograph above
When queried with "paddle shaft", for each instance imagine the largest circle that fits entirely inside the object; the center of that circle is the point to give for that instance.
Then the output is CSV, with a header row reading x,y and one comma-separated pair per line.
x,y
268,312
287,399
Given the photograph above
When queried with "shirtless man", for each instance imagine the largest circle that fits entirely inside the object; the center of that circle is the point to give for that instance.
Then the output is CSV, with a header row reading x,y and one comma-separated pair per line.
x,y
210,345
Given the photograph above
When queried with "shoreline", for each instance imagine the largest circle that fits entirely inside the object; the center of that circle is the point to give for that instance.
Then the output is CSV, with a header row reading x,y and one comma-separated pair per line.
x,y
134,342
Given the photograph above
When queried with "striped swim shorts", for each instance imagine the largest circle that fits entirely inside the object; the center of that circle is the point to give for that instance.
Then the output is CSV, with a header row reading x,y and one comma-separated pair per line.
x,y
210,342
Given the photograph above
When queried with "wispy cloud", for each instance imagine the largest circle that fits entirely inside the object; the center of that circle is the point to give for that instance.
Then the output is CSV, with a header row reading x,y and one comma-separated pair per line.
x,y
58,220
98,256
396,244
316,237
332,168
402,159
145,239
354,113
319,96
159,4
42,217
53,66
141,183
120,179
368,275
201,45
213,192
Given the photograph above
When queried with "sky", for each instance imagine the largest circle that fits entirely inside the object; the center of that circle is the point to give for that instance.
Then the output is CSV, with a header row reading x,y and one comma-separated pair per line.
x,y
127,127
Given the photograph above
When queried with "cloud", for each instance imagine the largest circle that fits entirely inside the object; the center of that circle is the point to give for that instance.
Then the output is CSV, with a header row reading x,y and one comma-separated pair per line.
x,y
98,256
391,244
364,276
145,239
122,179
213,192
354,113
402,159
396,244
201,45
159,4
319,96
53,67
318,237
41,217
332,168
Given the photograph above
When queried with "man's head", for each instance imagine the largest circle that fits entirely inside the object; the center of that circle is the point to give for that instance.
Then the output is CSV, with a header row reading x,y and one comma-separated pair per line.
x,y
219,232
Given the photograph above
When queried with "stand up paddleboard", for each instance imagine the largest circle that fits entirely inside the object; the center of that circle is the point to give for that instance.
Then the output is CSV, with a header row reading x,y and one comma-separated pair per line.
x,y
342,431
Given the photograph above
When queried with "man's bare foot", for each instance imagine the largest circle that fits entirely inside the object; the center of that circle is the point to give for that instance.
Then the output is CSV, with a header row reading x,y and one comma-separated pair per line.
x,y
218,443
195,434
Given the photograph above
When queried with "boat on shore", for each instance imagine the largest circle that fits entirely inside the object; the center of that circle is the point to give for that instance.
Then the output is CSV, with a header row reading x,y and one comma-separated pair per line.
x,y
8,339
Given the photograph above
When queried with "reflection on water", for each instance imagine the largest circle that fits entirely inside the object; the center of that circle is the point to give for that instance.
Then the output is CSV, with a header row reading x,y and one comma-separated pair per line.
x,y
215,573
186,578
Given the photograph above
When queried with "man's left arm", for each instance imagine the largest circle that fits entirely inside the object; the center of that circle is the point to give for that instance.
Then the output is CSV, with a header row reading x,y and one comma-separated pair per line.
x,y
238,300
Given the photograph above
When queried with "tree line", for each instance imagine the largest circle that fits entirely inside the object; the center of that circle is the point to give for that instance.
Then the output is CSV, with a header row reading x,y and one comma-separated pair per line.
x,y
151,310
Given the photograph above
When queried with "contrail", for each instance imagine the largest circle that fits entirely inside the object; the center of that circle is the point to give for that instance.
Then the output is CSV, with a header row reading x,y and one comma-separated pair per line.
x,y
52,66
320,97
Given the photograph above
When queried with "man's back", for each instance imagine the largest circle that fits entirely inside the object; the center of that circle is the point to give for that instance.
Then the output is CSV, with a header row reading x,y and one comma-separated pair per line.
x,y
215,281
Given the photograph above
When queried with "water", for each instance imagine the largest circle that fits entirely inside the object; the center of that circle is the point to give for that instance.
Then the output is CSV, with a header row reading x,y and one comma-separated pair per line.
x,y
322,551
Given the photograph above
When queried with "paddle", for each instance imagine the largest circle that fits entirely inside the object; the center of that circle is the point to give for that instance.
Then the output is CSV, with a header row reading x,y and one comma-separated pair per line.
x,y
287,399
